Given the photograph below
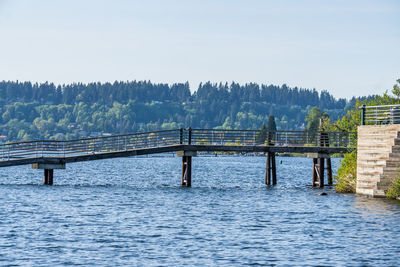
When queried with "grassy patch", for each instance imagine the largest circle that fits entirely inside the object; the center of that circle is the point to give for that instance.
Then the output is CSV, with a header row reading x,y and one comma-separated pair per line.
x,y
394,190
346,178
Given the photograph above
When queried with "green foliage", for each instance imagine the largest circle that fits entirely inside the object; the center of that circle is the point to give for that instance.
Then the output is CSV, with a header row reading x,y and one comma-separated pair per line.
x,y
40,111
347,173
394,190
346,178
262,134
271,123
396,89
313,119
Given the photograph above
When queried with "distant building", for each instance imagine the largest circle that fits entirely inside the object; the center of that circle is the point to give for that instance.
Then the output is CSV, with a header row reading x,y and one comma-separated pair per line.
x,y
82,133
95,134
59,136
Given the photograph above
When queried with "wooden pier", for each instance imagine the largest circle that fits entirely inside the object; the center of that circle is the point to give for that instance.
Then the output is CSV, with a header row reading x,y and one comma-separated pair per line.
x,y
186,143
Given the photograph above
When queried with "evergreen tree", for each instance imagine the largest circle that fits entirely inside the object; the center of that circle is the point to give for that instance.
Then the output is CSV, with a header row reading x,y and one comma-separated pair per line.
x,y
261,134
271,123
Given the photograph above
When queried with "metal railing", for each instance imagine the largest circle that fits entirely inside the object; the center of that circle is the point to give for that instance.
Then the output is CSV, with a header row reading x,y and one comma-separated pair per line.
x,y
127,142
380,115
277,138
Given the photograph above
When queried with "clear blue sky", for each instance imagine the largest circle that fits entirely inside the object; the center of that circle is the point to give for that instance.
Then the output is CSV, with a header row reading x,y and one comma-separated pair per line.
x,y
346,47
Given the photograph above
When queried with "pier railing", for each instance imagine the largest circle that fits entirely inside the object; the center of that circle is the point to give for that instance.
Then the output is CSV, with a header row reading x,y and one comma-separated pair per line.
x,y
143,140
380,115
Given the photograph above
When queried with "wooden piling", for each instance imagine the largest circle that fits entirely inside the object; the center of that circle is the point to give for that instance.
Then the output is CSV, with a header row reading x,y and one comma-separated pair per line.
x,y
321,170
186,178
273,166
268,170
314,173
329,171
48,177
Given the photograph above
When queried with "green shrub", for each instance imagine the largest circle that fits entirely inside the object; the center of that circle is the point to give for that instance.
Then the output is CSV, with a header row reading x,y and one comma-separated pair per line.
x,y
346,178
394,190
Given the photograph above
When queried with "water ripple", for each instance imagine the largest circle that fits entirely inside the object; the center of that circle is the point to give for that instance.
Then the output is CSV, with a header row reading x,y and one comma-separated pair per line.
x,y
132,211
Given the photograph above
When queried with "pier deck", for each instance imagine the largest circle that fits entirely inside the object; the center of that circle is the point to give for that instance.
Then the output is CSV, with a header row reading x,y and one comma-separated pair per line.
x,y
49,155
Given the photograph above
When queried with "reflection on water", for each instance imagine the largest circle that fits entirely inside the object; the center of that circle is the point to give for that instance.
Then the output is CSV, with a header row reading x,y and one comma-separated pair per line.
x,y
376,206
132,211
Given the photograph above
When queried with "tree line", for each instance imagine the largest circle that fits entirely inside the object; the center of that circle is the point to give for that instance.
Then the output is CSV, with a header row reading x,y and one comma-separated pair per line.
x,y
146,91
48,111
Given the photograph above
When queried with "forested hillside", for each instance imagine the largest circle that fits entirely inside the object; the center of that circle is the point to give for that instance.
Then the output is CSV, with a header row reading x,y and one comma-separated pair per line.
x,y
46,111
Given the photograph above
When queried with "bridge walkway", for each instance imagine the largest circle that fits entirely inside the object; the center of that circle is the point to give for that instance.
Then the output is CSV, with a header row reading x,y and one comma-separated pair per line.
x,y
50,155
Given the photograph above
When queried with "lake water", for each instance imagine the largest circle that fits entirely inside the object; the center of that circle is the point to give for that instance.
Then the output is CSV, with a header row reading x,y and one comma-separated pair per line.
x,y
132,211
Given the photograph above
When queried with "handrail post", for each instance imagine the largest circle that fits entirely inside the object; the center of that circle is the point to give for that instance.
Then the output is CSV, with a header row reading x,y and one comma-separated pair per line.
x,y
181,136
349,138
190,136
339,138
363,110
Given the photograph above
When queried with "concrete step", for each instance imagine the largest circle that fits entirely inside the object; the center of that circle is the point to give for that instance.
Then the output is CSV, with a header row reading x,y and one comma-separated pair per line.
x,y
372,162
395,149
368,173
376,150
385,181
378,161
373,165
375,142
373,152
385,184
394,155
367,184
393,163
396,141
368,179
391,169
379,193
391,176
365,191
377,136
373,157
